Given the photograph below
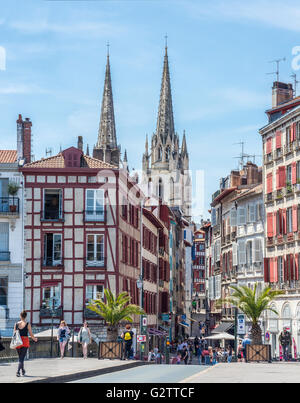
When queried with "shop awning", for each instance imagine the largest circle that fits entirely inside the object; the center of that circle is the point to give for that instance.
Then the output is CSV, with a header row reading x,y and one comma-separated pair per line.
x,y
223,327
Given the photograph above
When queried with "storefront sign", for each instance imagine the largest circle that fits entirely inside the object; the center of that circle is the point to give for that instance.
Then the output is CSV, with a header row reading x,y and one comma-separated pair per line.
x,y
141,338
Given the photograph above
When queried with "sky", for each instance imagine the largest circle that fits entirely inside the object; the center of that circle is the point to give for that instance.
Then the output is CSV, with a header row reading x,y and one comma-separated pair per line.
x,y
52,66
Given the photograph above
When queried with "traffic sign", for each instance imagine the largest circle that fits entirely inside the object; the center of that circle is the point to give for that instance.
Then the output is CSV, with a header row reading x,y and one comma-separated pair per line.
x,y
241,324
141,338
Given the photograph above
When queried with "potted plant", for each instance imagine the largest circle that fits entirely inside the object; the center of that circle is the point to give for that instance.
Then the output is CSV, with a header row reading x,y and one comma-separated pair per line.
x,y
289,187
115,310
13,189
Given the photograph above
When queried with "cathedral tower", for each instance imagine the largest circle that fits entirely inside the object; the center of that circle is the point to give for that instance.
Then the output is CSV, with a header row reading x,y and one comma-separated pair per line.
x,y
166,168
106,148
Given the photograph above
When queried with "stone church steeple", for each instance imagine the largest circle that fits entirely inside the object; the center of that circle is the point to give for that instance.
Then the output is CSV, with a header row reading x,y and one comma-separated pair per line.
x,y
106,148
167,165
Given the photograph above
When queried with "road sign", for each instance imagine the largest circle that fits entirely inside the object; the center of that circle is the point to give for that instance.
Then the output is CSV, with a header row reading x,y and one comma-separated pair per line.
x,y
141,338
267,336
144,322
241,324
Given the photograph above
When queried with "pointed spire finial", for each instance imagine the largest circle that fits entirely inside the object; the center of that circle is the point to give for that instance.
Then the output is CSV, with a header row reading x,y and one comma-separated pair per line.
x,y
166,42
107,48
87,150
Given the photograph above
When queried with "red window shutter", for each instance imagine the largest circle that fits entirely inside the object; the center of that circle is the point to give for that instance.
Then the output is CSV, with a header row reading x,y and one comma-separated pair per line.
x,y
270,183
292,268
284,221
293,132
269,145
271,262
296,267
280,229
280,178
270,225
295,218
276,270
266,270
274,224
294,173
278,139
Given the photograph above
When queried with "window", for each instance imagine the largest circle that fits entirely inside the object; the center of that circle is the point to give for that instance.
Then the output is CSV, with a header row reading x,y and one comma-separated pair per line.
x,y
289,174
280,270
241,216
160,189
249,254
52,249
251,213
51,296
94,291
4,241
3,291
4,201
95,205
52,204
289,220
95,250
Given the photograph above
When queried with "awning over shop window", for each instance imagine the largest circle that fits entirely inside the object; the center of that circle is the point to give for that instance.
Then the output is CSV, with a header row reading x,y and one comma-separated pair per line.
x,y
223,327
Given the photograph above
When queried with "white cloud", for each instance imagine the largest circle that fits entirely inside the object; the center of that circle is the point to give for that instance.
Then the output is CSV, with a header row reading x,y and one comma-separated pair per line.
x,y
13,89
88,28
284,15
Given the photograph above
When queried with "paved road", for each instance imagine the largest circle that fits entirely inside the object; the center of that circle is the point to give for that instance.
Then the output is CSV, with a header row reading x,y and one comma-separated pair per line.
x,y
277,372
148,374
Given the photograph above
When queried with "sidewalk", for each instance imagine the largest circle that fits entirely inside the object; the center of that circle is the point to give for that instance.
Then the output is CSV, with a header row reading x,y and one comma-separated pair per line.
x,y
58,370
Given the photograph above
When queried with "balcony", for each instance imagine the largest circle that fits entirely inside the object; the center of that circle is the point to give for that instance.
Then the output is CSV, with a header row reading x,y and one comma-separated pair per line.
x,y
46,312
289,190
297,188
95,263
270,242
278,195
94,215
278,153
4,256
269,197
288,148
268,158
9,206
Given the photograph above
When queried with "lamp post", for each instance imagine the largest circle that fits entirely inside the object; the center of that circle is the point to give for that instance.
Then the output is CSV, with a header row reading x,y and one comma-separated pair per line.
x,y
140,285
52,316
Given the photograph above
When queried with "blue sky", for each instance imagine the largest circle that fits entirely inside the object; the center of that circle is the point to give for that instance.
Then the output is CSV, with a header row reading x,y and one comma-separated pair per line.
x,y
219,53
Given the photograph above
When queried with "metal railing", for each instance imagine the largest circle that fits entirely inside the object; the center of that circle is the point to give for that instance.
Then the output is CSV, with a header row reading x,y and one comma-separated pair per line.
x,y
9,205
52,215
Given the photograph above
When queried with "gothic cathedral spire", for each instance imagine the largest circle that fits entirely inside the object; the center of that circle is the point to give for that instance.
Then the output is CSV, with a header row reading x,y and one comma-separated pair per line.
x,y
106,148
165,121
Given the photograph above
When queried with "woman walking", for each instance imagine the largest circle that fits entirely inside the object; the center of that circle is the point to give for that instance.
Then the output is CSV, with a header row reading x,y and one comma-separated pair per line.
x,y
85,338
63,337
24,328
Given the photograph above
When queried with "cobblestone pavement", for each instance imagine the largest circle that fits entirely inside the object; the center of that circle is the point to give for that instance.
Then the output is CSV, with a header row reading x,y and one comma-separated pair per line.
x,y
278,372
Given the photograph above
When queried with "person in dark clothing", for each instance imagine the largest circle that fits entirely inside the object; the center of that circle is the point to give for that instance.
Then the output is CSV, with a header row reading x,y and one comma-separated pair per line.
x,y
24,328
185,355
196,344
285,340
127,336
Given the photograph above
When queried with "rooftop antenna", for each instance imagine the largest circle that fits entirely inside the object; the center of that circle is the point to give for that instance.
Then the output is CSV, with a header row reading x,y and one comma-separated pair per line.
x,y
277,61
242,156
294,76
49,151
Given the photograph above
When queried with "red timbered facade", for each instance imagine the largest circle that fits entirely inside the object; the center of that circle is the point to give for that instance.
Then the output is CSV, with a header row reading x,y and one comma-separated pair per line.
x,y
78,239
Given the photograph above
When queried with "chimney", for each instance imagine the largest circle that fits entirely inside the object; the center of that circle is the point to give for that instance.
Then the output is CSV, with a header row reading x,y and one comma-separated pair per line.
x,y
27,140
252,174
24,139
80,143
20,138
281,93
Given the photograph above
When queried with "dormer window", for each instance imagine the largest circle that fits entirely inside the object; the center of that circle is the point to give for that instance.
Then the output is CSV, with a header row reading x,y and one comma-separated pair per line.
x,y
72,157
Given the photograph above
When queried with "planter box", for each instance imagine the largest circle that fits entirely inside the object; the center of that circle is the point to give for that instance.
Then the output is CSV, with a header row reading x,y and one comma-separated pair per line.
x,y
112,350
257,353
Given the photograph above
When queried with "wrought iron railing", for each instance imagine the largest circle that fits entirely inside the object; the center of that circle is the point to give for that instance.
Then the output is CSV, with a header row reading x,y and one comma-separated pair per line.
x,y
9,205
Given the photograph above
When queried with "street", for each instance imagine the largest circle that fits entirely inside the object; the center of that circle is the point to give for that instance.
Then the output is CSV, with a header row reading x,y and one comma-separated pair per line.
x,y
220,373
149,374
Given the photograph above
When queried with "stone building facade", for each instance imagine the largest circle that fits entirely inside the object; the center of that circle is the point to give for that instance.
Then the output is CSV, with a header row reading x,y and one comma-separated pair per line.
x,y
281,178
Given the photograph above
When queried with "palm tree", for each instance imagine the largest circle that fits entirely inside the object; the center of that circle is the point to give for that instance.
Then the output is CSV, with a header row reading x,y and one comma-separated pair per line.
x,y
115,310
253,304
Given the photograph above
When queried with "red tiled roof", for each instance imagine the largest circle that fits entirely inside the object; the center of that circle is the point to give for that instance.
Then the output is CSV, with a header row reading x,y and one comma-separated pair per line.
x,y
8,156
58,161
